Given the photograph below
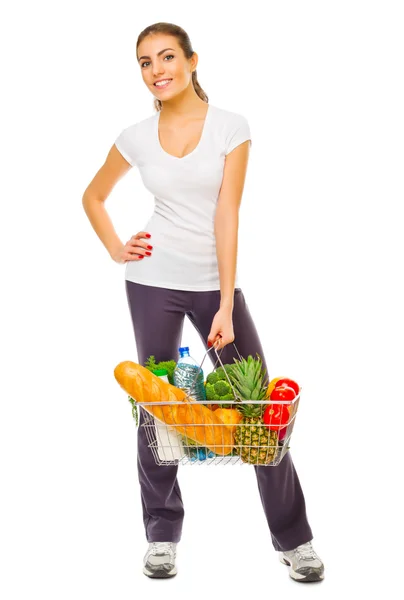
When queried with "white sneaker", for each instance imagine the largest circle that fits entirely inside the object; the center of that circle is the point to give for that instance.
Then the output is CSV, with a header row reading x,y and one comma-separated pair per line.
x,y
304,564
159,560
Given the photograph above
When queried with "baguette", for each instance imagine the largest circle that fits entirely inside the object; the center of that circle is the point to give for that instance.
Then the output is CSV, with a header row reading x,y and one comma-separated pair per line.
x,y
191,418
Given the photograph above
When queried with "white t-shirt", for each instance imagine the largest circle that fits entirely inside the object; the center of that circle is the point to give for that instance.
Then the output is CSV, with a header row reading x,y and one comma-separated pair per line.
x,y
185,193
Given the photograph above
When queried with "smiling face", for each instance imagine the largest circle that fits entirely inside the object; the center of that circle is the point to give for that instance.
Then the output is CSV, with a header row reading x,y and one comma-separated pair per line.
x,y
161,58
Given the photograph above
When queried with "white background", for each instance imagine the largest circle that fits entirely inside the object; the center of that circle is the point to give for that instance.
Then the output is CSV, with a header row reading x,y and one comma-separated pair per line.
x,y
320,262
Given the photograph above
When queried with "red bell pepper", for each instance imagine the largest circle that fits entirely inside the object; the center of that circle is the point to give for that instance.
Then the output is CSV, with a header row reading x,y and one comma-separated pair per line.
x,y
276,416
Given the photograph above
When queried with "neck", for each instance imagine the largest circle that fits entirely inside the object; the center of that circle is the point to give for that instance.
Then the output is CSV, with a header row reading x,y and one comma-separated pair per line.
x,y
185,103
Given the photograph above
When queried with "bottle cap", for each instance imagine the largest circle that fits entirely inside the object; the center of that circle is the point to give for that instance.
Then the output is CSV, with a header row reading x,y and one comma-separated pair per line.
x,y
184,349
159,372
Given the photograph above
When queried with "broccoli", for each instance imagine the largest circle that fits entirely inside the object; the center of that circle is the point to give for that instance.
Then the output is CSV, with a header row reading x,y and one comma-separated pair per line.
x,y
210,391
222,388
212,378
219,391
219,374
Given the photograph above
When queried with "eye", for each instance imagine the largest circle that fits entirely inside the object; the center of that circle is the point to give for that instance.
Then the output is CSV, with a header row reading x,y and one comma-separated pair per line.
x,y
147,62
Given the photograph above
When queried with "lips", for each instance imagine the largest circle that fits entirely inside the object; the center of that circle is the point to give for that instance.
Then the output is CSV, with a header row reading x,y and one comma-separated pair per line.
x,y
167,81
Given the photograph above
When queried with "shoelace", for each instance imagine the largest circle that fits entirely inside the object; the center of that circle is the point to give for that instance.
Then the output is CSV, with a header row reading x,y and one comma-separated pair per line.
x,y
162,548
306,551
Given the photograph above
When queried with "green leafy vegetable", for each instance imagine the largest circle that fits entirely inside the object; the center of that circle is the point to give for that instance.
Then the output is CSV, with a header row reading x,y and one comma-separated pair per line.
x,y
169,365
134,409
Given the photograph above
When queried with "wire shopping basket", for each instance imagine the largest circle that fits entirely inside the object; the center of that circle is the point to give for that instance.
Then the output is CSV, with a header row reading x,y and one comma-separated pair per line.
x,y
195,433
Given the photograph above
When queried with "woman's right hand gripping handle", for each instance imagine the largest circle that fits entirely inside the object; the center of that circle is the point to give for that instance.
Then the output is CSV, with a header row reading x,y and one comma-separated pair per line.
x,y
134,249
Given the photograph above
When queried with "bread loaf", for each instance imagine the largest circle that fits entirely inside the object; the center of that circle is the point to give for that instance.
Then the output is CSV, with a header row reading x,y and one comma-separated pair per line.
x,y
191,418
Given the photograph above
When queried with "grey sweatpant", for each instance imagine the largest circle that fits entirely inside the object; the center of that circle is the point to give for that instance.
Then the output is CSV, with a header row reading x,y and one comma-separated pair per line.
x,y
158,317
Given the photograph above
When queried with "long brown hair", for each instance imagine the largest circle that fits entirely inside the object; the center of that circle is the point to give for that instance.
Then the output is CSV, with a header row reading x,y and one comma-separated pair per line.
x,y
184,42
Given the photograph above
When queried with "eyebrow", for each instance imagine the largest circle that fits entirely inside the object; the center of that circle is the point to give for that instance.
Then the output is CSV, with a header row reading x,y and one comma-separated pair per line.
x,y
158,53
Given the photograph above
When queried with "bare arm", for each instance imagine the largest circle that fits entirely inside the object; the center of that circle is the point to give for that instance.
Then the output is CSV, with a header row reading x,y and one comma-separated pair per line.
x,y
227,219
98,190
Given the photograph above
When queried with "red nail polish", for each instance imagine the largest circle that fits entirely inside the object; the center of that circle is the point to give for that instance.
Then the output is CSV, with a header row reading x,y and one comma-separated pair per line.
x,y
148,253
150,247
141,257
209,344
148,235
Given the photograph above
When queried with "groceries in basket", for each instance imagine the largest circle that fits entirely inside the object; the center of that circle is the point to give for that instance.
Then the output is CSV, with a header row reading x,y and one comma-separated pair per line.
x,y
169,442
245,415
167,365
256,436
189,376
218,387
189,418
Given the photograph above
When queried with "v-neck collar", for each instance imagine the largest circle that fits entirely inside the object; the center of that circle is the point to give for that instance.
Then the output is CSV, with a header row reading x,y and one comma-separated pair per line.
x,y
207,117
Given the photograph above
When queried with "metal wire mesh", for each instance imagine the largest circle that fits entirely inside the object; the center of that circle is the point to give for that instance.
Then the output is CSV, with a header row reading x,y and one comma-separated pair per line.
x,y
184,433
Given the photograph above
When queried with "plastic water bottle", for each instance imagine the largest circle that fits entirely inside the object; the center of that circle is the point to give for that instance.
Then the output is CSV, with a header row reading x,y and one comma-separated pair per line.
x,y
185,373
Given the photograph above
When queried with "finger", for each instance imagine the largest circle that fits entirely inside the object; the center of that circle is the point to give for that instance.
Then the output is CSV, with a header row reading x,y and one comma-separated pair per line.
x,y
141,234
210,344
136,248
139,244
133,258
131,252
218,340
133,255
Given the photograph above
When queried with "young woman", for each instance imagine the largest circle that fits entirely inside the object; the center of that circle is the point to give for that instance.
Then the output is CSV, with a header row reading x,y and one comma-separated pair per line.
x,y
192,156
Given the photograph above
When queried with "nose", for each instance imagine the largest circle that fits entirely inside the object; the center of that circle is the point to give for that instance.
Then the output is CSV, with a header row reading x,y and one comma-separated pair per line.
x,y
157,70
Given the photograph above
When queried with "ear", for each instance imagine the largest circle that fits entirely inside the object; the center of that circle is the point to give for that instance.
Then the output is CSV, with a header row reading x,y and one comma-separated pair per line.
x,y
194,61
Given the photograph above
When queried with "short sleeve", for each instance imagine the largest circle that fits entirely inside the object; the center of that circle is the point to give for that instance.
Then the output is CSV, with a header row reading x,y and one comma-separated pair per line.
x,y
125,142
239,132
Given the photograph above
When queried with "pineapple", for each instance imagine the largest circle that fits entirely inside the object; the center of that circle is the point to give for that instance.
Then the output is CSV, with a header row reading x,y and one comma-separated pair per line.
x,y
254,442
